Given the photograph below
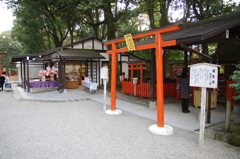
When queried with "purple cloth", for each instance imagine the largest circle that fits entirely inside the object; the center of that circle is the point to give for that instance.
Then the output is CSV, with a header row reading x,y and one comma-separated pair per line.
x,y
42,84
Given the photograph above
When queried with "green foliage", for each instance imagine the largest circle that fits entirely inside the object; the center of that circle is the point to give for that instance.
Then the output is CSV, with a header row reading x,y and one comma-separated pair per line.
x,y
234,136
225,52
195,10
236,86
175,55
39,24
29,36
229,7
8,46
170,56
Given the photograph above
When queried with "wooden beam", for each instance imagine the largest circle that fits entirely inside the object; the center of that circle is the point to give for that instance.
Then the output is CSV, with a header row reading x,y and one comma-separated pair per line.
x,y
138,68
145,34
142,63
191,50
169,43
144,47
232,41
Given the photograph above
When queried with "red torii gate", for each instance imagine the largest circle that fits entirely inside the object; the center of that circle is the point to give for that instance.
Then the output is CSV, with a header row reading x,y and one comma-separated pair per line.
x,y
128,86
137,66
159,43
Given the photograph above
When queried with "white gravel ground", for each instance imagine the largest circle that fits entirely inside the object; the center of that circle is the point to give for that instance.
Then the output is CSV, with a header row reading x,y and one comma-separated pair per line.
x,y
81,130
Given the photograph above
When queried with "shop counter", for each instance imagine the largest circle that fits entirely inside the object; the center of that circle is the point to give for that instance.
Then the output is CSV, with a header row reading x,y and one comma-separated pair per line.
x,y
71,84
43,84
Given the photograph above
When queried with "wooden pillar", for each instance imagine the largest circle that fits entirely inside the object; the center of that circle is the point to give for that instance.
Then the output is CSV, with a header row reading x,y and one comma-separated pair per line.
x,y
153,74
205,51
238,53
159,72
99,70
185,59
141,73
121,64
60,71
228,115
24,75
21,71
28,84
64,73
141,79
86,73
132,76
113,78
91,69
132,72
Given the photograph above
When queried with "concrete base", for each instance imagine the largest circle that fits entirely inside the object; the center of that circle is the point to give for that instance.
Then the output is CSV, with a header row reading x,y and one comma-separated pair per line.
x,y
116,112
166,130
65,91
152,105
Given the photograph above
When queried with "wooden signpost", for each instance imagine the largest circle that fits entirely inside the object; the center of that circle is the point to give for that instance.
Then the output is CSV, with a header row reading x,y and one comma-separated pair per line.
x,y
203,75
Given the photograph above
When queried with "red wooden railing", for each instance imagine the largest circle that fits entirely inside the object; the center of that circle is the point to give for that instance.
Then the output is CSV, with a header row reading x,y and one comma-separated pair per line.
x,y
230,92
143,89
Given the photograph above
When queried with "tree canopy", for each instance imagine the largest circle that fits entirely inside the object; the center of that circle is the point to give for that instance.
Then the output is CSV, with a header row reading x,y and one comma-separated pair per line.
x,y
8,47
41,25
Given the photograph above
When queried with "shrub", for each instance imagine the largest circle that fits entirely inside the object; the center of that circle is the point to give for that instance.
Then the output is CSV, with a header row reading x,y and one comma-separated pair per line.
x,y
236,86
234,136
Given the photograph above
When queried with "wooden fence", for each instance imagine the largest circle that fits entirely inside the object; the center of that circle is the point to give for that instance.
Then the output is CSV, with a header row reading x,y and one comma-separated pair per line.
x,y
143,89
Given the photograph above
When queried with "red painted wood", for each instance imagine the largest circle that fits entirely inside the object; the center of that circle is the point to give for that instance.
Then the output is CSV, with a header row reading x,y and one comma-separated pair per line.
x,y
159,43
143,89
173,28
114,79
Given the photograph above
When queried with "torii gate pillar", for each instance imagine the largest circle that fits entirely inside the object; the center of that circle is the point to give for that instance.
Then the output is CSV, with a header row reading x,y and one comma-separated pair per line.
x,y
160,128
113,110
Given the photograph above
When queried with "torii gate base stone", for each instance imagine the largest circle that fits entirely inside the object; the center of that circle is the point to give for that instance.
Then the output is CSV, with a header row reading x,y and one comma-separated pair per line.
x,y
113,112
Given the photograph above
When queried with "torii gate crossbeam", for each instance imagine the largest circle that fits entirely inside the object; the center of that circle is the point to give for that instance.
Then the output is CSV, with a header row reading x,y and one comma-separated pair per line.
x,y
158,45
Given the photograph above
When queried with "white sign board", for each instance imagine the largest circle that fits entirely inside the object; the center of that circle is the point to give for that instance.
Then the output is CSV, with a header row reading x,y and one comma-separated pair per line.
x,y
204,75
104,72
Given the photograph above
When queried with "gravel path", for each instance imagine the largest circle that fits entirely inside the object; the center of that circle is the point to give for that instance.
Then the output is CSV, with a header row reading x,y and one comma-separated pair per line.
x,y
81,130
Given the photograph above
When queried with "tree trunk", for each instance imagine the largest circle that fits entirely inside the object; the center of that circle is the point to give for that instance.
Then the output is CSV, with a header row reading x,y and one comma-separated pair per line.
x,y
164,7
111,30
150,11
